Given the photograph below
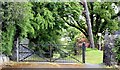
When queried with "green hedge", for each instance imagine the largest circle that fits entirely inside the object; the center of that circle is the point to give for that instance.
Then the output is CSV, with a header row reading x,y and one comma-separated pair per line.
x,y
117,49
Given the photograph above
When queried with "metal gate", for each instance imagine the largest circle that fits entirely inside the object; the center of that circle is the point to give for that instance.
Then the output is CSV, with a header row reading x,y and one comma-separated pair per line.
x,y
50,53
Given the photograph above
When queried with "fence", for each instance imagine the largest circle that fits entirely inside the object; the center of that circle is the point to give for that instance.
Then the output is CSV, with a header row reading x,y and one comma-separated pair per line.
x,y
49,53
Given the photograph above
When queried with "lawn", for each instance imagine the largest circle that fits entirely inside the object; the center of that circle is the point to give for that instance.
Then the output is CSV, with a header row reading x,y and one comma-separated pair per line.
x,y
94,56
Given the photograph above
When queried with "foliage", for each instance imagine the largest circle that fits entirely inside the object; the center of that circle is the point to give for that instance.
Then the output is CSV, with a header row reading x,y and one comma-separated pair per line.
x,y
46,23
40,22
50,15
15,23
70,34
71,13
117,48
101,15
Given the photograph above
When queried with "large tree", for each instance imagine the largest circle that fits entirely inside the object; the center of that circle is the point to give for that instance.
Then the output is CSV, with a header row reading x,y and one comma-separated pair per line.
x,y
42,22
101,18
101,15
46,23
15,23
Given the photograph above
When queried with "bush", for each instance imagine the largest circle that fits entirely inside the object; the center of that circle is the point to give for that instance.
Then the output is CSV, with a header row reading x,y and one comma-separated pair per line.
x,y
117,49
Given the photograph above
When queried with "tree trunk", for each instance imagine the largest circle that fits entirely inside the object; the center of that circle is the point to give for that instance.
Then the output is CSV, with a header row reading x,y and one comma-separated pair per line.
x,y
89,25
118,62
0,31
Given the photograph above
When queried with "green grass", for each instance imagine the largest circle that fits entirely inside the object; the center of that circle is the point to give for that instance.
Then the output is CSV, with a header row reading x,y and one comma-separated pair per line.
x,y
94,56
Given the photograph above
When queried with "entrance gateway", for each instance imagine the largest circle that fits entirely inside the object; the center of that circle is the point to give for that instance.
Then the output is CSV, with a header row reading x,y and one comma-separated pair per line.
x,y
59,53
49,53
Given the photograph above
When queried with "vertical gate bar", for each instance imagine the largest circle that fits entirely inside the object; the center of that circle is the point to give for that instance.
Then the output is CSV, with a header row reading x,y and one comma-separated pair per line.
x,y
17,50
50,52
83,52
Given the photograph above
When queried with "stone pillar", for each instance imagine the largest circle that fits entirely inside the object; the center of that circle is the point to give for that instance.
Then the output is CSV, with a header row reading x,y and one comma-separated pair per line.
x,y
108,54
106,58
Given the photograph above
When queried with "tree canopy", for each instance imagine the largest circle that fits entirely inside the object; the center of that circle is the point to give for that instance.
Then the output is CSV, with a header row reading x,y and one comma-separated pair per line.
x,y
43,22
15,23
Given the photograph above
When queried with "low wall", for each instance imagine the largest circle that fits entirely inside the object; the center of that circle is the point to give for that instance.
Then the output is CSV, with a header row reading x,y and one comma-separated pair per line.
x,y
3,59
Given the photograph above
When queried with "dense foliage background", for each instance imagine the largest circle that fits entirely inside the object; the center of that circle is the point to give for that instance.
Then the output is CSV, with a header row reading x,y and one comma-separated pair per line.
x,y
48,22
117,49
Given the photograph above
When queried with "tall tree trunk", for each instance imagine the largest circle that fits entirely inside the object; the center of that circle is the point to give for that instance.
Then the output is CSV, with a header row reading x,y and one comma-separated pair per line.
x,y
89,24
0,30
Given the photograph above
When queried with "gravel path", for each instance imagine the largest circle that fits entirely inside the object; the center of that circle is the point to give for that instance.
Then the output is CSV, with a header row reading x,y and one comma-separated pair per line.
x,y
51,65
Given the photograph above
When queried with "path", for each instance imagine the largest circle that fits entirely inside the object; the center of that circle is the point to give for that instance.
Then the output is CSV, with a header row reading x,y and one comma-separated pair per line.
x,y
51,65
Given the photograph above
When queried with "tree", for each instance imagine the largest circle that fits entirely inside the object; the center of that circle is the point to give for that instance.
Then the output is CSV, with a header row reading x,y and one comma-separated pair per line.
x,y
43,22
100,15
89,24
46,23
40,22
15,23
101,18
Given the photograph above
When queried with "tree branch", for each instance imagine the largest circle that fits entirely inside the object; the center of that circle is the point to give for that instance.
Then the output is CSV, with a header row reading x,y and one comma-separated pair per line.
x,y
81,3
80,26
97,26
83,27
91,15
103,26
116,15
76,27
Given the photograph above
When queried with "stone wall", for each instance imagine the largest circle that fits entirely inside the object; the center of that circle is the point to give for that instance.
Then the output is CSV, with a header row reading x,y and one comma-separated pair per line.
x,y
3,59
108,54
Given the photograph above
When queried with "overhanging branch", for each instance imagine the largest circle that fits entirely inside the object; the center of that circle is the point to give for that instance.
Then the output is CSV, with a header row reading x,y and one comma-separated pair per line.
x,y
116,15
82,27
76,27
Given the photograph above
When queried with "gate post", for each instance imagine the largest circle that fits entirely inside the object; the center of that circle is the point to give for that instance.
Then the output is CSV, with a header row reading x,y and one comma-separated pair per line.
x,y
50,51
108,54
17,46
83,52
